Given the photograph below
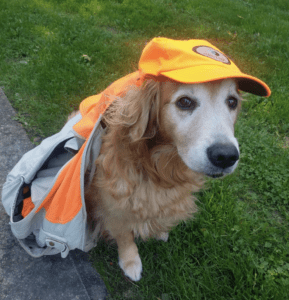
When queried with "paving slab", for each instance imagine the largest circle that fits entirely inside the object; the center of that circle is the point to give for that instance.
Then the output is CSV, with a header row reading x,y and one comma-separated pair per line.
x,y
23,277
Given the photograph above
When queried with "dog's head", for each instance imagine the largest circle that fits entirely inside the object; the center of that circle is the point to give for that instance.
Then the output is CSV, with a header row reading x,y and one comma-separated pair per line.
x,y
193,121
200,119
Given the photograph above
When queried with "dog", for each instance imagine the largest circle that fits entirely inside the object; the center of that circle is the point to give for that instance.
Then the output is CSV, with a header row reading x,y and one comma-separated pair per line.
x,y
162,139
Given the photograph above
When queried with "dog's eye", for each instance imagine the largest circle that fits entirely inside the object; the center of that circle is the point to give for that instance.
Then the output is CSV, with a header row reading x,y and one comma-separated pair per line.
x,y
186,103
232,102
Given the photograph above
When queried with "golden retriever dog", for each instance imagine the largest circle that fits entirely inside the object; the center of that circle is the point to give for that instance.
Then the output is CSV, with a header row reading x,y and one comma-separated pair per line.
x,y
161,139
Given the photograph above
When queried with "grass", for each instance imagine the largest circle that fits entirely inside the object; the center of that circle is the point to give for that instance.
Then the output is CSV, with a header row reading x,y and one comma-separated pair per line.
x,y
55,53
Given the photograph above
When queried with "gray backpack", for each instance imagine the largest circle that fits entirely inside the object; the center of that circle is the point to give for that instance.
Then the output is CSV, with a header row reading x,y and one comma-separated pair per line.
x,y
44,193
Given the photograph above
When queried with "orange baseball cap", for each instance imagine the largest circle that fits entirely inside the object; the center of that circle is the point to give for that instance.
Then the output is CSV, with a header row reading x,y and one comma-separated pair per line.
x,y
194,61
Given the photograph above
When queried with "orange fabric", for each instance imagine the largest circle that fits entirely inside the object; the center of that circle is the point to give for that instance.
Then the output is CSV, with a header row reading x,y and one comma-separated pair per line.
x,y
64,200
28,206
93,106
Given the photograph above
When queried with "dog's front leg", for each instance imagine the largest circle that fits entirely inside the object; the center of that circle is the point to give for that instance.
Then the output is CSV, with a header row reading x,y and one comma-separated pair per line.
x,y
129,259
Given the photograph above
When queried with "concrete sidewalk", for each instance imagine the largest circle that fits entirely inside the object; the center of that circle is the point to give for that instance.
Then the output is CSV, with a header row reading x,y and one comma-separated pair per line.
x,y
21,276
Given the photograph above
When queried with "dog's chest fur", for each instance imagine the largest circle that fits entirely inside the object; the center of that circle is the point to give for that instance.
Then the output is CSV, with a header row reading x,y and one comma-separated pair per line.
x,y
147,209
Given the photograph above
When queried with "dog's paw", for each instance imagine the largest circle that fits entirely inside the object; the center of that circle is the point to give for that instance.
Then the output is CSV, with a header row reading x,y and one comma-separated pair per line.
x,y
163,236
132,268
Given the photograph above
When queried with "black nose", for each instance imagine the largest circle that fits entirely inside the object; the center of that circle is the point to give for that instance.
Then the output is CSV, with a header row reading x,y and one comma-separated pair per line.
x,y
222,155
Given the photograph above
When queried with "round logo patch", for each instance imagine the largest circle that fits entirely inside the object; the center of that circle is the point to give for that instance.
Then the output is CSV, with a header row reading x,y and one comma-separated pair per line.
x,y
212,53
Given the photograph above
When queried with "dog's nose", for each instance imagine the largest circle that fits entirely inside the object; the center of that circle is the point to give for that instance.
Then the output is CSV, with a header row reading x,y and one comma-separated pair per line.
x,y
223,155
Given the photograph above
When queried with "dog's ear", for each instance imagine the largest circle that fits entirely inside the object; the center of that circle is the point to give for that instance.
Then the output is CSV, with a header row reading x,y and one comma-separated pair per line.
x,y
146,109
136,115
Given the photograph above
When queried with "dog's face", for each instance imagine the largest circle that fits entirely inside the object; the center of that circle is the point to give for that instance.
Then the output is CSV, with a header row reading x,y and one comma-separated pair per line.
x,y
200,119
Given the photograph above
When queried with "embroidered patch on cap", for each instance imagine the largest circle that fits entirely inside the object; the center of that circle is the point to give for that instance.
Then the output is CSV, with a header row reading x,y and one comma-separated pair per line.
x,y
212,53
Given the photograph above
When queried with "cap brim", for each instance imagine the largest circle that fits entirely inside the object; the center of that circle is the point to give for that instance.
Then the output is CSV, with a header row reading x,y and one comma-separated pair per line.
x,y
205,73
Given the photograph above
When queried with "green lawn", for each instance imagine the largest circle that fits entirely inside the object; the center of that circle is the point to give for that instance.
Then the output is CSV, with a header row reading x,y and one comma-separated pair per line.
x,y
54,53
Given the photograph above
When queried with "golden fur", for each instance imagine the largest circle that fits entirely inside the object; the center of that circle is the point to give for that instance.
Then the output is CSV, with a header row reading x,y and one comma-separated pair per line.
x,y
141,186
